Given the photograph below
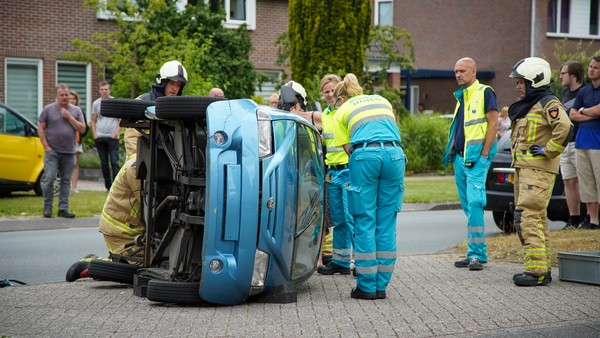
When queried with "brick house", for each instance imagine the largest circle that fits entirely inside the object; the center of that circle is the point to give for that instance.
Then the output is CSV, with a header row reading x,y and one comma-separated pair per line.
x,y
495,33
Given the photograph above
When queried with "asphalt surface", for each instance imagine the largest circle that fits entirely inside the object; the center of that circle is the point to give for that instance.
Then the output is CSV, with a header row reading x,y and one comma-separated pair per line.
x,y
427,297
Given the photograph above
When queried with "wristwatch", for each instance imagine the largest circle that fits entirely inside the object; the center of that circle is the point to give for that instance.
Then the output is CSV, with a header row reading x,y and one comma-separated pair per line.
x,y
581,111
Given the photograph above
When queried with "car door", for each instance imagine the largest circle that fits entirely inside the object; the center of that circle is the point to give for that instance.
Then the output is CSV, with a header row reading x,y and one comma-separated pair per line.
x,y
19,151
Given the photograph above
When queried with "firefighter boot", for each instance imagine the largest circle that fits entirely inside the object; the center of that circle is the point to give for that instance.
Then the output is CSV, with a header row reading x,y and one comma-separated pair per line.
x,y
529,279
79,269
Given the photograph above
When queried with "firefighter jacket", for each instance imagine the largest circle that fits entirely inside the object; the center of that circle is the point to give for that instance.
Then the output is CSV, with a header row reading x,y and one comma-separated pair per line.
x,y
475,124
120,214
546,124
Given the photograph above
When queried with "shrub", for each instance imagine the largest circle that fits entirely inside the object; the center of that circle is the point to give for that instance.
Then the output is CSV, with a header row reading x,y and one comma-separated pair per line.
x,y
424,140
89,159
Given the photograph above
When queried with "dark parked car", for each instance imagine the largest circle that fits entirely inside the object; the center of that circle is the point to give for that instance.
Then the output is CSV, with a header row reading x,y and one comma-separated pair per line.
x,y
500,191
232,201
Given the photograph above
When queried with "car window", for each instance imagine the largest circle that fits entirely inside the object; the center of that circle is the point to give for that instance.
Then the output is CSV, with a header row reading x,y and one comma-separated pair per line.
x,y
10,124
308,216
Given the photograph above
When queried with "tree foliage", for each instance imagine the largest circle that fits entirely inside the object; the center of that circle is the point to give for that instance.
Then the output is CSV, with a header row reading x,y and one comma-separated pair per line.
x,y
151,32
328,36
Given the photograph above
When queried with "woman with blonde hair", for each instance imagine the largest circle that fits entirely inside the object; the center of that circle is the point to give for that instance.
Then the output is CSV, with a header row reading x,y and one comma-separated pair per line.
x,y
366,128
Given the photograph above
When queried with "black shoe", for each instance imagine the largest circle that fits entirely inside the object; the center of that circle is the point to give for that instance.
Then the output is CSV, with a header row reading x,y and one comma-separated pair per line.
x,y
475,264
354,272
529,279
48,212
358,294
380,294
326,259
571,225
463,263
333,268
66,214
549,277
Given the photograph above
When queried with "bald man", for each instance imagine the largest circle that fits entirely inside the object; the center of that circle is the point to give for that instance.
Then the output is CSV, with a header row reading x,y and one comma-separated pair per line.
x,y
216,92
471,148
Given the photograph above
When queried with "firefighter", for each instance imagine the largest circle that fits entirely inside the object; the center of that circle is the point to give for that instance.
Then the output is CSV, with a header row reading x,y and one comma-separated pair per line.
x,y
120,222
170,81
540,131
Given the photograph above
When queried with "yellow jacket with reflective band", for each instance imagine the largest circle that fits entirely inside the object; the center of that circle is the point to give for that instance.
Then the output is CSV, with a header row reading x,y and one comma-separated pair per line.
x,y
475,124
120,214
546,124
335,154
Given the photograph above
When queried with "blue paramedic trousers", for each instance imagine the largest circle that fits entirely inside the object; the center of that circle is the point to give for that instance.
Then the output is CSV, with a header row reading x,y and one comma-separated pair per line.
x,y
375,194
343,222
470,183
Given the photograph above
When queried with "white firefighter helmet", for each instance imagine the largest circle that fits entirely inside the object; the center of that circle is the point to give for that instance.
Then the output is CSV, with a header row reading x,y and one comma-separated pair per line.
x,y
300,92
534,69
174,71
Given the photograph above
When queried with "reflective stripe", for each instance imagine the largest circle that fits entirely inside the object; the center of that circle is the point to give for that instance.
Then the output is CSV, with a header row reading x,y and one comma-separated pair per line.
x,y
119,225
386,254
379,117
365,256
555,146
366,108
475,121
338,257
479,228
365,270
476,239
385,268
328,136
475,141
346,252
334,149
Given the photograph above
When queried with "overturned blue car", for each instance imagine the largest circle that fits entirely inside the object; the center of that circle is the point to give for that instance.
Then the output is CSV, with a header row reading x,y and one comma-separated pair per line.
x,y
232,201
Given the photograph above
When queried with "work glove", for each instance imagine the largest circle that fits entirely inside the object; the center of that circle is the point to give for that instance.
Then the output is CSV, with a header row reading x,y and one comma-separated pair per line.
x,y
537,150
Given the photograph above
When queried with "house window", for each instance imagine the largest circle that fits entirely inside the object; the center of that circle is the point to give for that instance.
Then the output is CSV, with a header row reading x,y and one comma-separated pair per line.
x,y
24,86
240,12
77,77
384,10
573,18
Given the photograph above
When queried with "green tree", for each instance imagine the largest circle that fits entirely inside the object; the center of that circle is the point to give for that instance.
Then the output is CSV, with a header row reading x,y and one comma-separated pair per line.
x,y
152,32
327,36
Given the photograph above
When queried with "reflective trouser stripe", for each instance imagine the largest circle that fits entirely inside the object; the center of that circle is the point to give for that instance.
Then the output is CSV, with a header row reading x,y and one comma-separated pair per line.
x,y
470,183
124,227
533,189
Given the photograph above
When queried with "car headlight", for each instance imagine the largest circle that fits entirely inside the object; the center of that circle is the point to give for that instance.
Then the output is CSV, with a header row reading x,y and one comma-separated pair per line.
x,y
265,138
259,275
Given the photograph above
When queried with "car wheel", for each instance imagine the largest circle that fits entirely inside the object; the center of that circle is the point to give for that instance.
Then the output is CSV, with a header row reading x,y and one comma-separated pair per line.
x,y
504,220
37,187
112,271
125,108
166,291
183,107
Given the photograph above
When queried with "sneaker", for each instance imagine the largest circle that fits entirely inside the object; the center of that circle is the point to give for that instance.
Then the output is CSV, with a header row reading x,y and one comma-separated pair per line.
x,y
571,225
333,268
66,214
475,264
529,279
463,263
589,225
48,212
358,294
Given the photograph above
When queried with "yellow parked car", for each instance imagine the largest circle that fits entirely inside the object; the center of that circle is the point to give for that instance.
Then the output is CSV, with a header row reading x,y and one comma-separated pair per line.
x,y
21,153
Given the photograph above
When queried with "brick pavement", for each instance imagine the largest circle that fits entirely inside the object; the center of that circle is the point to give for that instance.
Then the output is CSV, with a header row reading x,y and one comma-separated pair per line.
x,y
427,297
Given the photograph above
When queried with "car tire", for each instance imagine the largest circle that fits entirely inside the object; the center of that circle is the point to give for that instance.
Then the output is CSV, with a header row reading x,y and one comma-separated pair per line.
x,y
175,292
37,187
183,107
125,108
505,221
112,271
